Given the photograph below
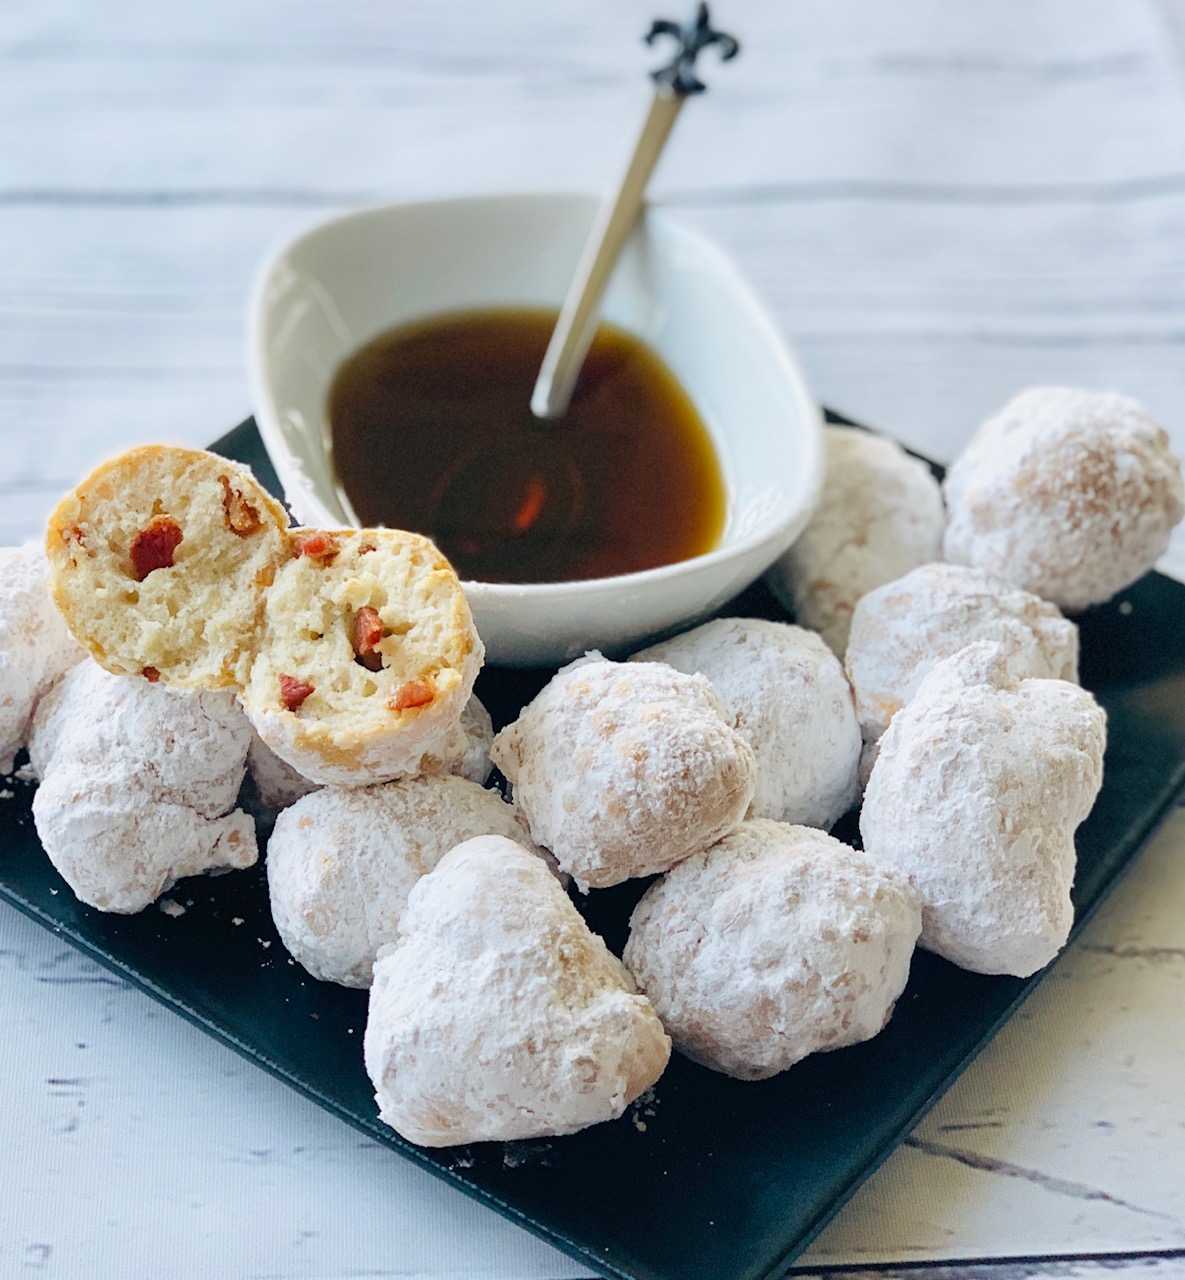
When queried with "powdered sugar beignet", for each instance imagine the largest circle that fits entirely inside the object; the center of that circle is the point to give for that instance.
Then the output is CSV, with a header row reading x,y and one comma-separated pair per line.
x,y
138,785
879,515
1070,494
981,781
36,648
623,769
902,630
499,1015
776,943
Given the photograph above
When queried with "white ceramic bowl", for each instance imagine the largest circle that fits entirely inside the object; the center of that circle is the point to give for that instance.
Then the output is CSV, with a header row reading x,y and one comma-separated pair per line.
x,y
349,278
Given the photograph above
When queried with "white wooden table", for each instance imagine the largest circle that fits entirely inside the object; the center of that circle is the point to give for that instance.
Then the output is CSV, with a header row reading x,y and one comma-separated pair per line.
x,y
942,202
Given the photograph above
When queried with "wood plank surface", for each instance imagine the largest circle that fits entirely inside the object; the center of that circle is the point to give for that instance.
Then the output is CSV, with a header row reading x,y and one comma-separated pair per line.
x,y
153,155
941,203
1127,1266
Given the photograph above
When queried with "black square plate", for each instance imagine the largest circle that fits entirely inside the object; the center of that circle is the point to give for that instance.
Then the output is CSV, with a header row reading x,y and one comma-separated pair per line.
x,y
715,1177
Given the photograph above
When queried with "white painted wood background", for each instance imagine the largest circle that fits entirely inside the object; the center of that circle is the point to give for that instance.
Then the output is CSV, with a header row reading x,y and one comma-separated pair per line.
x,y
942,202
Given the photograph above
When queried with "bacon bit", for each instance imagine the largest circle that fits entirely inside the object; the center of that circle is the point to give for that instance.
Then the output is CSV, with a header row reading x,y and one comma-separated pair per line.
x,y
366,548
241,517
415,693
76,530
154,545
368,631
293,692
317,545
151,674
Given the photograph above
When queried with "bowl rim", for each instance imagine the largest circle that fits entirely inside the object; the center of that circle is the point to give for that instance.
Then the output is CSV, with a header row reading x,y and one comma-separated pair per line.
x,y
775,539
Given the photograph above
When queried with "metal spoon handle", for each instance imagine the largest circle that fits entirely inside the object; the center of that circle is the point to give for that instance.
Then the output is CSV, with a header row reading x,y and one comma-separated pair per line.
x,y
577,321
615,220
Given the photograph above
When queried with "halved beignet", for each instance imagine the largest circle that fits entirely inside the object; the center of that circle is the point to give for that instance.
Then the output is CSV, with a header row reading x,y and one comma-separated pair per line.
x,y
365,659
354,651
158,561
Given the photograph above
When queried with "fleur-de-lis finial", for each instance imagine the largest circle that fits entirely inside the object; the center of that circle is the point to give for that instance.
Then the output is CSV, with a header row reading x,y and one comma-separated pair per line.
x,y
679,77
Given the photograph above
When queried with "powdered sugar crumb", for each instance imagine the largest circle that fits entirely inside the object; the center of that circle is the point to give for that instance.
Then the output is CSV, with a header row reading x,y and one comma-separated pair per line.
x,y
642,1105
518,1154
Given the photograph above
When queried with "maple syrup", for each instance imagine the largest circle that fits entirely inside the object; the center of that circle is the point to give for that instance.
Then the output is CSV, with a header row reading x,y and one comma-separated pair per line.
x,y
433,432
